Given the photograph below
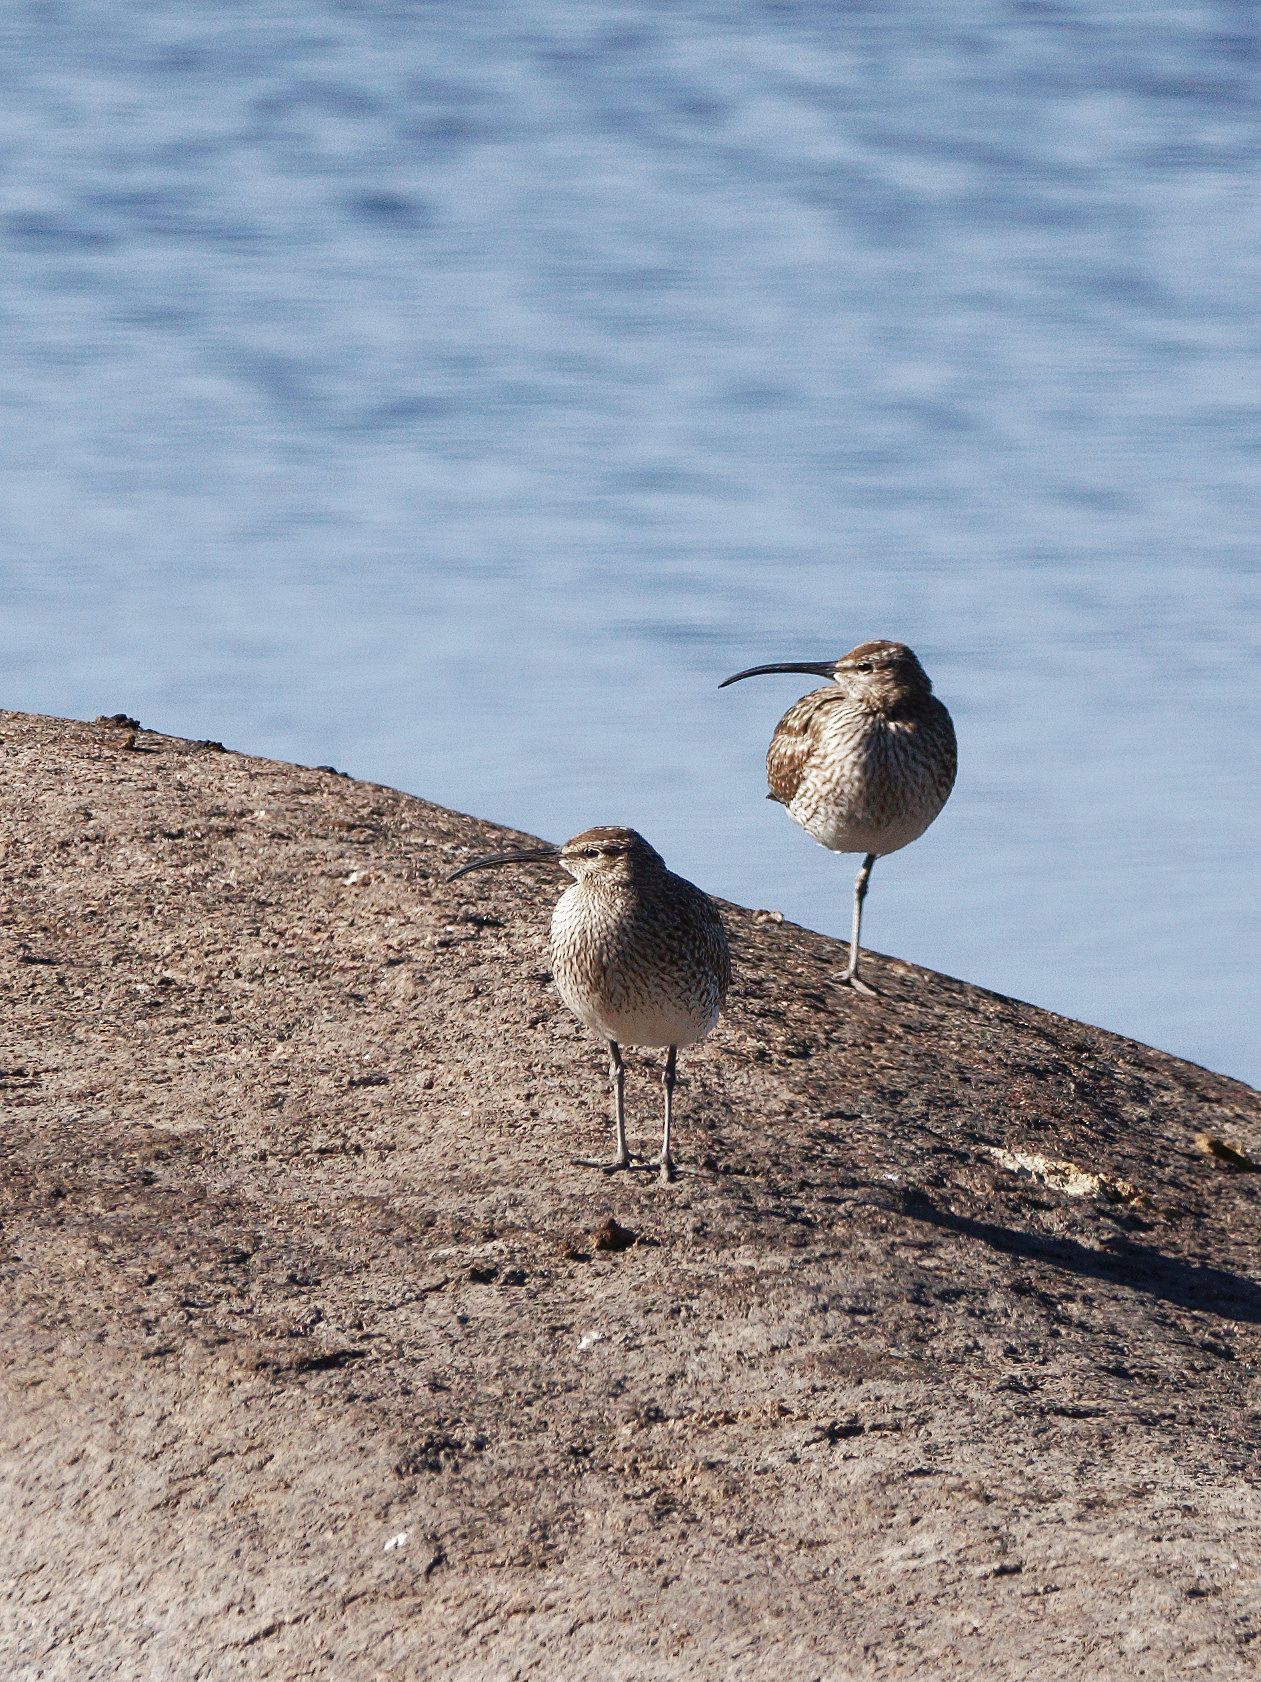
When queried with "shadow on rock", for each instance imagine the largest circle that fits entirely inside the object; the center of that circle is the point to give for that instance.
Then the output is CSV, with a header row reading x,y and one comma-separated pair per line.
x,y
1138,1267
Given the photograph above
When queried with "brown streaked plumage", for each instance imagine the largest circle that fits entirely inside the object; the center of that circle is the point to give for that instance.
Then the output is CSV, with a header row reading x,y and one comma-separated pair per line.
x,y
865,764
639,955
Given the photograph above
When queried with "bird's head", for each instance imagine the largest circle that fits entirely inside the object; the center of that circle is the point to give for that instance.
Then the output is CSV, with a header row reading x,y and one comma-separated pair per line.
x,y
882,674
608,854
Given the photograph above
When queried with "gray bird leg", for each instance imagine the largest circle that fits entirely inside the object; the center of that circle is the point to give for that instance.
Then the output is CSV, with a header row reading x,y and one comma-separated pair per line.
x,y
617,1074
851,978
622,1157
667,1080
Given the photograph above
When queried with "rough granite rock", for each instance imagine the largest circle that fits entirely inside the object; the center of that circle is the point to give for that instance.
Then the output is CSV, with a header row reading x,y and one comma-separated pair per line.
x,y
315,1369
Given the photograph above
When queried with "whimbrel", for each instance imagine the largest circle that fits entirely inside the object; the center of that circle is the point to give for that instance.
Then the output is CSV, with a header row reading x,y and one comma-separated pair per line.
x,y
864,765
639,955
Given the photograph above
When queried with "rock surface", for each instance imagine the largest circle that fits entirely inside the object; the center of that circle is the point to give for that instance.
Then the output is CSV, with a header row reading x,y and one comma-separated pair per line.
x,y
321,1362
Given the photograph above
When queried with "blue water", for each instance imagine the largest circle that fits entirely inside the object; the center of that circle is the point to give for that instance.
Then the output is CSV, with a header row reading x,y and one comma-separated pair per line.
x,y
458,392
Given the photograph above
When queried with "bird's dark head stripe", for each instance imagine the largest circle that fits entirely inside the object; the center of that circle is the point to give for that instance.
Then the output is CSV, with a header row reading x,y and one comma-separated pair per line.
x,y
878,649
609,841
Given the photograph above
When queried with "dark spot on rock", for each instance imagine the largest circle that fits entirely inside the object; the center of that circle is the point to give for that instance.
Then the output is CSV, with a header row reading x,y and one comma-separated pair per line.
x,y
330,1360
609,1237
836,1430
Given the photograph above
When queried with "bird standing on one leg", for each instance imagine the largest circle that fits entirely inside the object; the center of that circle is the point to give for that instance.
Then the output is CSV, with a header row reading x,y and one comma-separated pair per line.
x,y
639,955
866,764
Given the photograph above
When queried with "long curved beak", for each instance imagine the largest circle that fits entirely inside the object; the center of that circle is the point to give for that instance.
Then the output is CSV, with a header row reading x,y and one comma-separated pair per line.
x,y
492,861
821,668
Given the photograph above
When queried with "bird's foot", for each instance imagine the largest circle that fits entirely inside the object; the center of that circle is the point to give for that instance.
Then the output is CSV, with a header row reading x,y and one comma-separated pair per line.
x,y
859,986
632,1164
668,1172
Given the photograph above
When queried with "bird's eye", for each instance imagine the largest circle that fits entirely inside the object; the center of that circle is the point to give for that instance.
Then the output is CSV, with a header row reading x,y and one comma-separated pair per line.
x,y
863,666
591,852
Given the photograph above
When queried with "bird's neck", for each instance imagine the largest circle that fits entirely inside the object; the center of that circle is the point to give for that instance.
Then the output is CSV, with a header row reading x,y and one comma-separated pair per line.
x,y
893,705
613,890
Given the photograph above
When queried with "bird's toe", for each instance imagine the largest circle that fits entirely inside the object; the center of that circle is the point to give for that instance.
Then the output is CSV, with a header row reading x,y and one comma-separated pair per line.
x,y
616,1166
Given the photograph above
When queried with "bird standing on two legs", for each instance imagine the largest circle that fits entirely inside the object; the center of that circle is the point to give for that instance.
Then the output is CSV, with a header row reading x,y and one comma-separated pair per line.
x,y
639,955
865,764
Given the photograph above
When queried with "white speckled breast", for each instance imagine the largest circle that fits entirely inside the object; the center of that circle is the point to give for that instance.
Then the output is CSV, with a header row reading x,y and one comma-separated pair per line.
x,y
874,784
642,970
